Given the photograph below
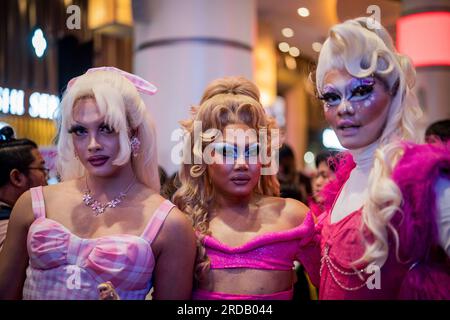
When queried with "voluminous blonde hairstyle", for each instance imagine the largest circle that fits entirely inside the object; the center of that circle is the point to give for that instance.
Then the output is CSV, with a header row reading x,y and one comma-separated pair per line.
x,y
354,47
124,110
230,100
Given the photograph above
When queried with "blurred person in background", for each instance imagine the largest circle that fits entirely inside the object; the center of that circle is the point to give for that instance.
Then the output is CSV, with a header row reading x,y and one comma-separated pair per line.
x,y
326,167
21,168
293,183
438,132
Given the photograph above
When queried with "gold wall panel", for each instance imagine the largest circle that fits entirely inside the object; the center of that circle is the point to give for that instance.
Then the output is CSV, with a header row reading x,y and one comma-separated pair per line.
x,y
41,131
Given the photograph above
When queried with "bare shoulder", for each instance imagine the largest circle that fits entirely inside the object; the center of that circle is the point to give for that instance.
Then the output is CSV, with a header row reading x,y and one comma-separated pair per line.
x,y
176,233
176,222
60,195
178,225
295,209
290,209
56,189
22,214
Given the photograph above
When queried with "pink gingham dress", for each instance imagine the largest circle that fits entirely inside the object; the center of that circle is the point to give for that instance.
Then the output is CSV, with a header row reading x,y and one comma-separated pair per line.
x,y
65,266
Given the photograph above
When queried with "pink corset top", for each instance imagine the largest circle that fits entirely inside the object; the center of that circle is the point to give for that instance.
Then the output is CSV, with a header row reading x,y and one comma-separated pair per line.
x,y
271,251
65,266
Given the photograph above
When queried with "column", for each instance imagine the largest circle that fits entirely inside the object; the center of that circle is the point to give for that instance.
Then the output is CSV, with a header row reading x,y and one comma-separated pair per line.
x,y
181,46
432,78
297,121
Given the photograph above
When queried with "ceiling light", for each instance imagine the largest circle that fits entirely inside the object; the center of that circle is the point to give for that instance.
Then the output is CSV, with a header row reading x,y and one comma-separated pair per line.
x,y
294,51
316,46
283,46
303,12
309,157
287,32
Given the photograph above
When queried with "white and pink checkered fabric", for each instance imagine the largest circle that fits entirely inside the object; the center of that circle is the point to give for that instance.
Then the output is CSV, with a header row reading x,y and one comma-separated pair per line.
x,y
141,85
65,266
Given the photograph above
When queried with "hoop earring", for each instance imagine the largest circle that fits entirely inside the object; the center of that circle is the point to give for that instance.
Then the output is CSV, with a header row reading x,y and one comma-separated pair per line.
x,y
135,145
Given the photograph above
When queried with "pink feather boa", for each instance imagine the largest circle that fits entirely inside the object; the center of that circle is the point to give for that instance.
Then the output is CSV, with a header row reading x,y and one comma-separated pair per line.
x,y
416,174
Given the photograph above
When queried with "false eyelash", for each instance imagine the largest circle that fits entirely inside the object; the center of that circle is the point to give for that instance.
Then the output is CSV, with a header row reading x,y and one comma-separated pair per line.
x,y
327,96
75,128
366,87
107,126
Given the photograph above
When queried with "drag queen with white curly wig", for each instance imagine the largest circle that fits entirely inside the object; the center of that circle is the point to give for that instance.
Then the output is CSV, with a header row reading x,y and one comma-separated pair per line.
x,y
385,231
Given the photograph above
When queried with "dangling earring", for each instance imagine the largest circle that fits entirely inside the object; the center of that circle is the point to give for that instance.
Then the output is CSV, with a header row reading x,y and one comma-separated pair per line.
x,y
76,155
135,145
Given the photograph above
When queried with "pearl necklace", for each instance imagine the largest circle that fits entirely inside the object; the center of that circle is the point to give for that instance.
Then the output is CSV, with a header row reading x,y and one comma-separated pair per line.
x,y
99,207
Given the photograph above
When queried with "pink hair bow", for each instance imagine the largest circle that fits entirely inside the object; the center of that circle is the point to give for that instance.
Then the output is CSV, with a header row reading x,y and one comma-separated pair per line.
x,y
141,85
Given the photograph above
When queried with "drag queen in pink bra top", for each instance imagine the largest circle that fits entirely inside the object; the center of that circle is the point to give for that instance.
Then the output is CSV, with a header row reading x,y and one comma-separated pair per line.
x,y
106,221
248,237
385,233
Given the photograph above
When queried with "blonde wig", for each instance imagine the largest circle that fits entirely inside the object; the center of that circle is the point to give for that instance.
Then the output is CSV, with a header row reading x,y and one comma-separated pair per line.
x,y
124,111
230,100
363,51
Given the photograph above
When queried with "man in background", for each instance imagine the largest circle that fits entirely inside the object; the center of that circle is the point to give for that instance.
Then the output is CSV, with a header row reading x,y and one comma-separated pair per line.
x,y
21,168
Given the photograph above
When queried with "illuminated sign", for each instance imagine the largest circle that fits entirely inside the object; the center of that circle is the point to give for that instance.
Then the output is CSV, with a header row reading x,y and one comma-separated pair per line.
x,y
41,105
39,43
11,101
422,36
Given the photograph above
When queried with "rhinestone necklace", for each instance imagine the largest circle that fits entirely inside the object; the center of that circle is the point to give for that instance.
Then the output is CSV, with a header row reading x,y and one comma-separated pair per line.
x,y
99,207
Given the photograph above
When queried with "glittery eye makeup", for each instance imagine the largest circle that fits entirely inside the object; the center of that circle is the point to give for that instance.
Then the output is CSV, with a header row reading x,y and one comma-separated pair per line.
x,y
330,96
232,151
358,89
